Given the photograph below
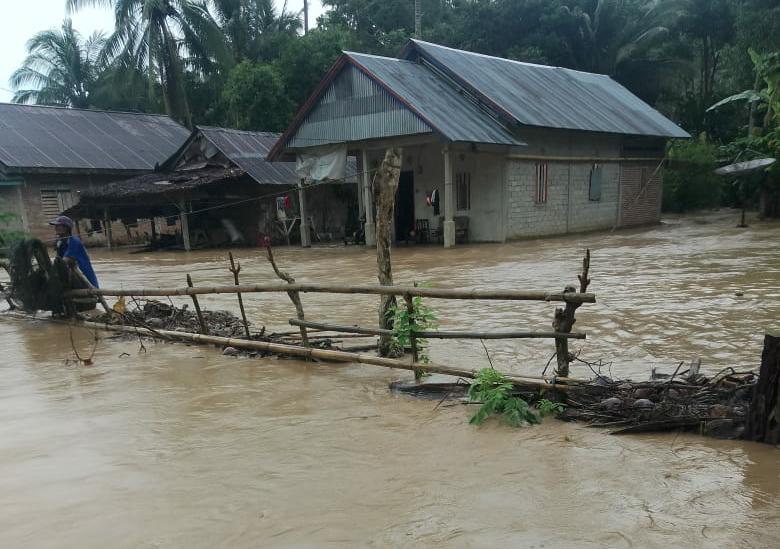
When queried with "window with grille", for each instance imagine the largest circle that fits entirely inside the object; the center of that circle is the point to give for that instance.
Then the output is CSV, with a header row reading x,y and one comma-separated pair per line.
x,y
540,192
463,191
55,201
596,177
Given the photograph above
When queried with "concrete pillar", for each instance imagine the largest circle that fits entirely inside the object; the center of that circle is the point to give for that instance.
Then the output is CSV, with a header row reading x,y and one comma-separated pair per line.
x,y
368,202
360,197
107,229
305,230
184,217
448,230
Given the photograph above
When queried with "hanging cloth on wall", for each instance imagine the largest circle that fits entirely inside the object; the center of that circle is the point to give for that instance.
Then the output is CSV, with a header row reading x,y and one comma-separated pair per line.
x,y
324,164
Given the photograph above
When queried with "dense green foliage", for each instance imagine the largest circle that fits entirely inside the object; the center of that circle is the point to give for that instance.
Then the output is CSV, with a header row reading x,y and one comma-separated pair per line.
x,y
689,181
494,391
198,59
406,323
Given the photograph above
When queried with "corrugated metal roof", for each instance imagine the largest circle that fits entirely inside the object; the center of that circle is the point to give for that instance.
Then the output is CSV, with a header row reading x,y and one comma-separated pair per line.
x,y
248,150
38,137
439,105
550,97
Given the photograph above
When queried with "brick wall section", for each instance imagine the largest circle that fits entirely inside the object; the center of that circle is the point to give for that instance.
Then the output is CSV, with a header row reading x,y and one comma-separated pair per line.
x,y
641,196
568,207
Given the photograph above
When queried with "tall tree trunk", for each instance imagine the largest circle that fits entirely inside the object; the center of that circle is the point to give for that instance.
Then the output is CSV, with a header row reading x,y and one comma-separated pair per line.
x,y
173,80
385,187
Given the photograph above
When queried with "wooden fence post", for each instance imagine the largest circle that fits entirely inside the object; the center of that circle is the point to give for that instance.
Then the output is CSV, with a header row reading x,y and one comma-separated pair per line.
x,y
763,419
203,328
564,320
386,185
235,268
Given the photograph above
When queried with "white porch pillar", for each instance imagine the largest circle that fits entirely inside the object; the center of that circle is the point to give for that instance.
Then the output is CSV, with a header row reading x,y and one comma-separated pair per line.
x,y
368,203
305,231
448,230
184,218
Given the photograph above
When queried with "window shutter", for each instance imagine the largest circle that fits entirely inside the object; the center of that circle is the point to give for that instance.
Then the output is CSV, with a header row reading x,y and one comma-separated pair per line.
x,y
596,177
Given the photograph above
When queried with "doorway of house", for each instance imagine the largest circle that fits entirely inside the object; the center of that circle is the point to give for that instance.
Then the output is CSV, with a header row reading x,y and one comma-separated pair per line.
x,y
404,207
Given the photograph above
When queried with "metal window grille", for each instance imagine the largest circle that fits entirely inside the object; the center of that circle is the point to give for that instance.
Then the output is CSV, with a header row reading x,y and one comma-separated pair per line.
x,y
463,188
541,188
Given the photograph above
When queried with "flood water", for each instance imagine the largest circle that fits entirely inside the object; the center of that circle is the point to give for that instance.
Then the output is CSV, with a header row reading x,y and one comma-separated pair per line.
x,y
180,446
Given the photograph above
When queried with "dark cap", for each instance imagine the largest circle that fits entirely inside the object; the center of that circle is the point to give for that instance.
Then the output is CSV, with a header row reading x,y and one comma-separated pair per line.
x,y
62,220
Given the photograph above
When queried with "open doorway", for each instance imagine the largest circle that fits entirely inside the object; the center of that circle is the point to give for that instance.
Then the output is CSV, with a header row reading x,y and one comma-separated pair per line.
x,y
404,207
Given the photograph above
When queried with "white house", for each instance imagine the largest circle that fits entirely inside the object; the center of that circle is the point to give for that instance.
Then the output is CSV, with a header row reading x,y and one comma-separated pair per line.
x,y
511,149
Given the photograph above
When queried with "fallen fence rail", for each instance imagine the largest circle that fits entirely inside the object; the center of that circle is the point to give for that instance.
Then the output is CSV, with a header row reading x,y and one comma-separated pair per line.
x,y
434,293
439,334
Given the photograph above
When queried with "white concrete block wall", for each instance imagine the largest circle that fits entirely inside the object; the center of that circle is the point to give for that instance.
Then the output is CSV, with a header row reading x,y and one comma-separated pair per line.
x,y
586,214
568,207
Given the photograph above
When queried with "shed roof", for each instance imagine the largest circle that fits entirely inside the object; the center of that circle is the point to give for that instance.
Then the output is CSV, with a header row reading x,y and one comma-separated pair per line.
x,y
34,137
248,150
550,97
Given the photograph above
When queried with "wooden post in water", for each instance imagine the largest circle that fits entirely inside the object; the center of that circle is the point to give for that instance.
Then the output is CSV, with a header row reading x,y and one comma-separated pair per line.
x,y
564,320
107,229
203,328
386,185
184,217
763,420
235,268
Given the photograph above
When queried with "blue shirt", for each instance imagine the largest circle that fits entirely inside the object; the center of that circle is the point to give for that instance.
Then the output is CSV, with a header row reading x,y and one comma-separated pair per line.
x,y
73,248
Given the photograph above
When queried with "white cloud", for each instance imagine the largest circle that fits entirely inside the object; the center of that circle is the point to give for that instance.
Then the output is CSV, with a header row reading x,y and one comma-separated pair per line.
x,y
21,20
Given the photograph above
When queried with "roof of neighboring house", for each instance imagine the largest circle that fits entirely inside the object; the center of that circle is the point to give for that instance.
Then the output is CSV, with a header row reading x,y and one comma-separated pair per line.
x,y
550,97
34,137
248,150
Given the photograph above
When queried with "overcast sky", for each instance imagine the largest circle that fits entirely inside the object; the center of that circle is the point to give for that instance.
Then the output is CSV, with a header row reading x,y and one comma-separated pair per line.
x,y
21,20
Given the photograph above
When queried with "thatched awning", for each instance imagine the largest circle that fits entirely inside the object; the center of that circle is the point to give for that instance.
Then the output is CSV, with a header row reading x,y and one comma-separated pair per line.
x,y
150,194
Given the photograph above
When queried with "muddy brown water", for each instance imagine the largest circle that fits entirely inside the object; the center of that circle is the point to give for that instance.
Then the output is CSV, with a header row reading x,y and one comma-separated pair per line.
x,y
182,447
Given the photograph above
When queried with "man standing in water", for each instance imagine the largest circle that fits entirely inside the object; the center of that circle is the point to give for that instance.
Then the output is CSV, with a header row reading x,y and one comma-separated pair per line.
x,y
70,249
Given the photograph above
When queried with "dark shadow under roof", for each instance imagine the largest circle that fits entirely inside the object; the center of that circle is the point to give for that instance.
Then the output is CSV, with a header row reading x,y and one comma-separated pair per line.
x,y
37,137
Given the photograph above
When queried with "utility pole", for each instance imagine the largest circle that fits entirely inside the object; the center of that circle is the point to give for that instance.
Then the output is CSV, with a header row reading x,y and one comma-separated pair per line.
x,y
418,19
305,16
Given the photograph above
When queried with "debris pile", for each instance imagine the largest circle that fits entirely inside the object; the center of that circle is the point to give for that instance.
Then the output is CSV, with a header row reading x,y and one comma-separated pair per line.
x,y
156,315
715,406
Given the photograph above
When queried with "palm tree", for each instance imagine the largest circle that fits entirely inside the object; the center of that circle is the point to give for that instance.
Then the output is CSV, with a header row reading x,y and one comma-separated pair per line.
x,y
160,37
620,31
60,69
247,23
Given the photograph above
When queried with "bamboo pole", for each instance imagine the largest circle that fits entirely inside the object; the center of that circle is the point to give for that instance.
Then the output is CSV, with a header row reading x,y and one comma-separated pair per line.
x,y
235,269
439,334
533,382
433,293
203,328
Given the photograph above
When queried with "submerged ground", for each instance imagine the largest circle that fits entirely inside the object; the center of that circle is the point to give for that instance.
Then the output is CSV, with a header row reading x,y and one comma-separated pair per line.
x,y
182,447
